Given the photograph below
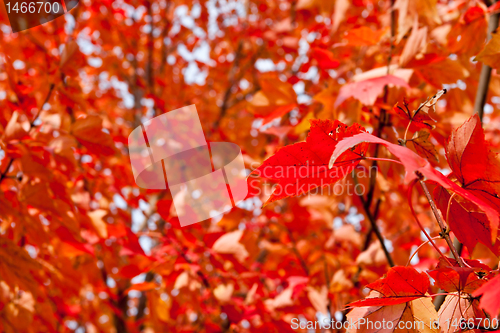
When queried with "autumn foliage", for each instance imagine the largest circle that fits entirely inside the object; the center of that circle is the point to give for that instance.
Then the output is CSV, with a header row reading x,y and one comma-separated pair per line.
x,y
370,133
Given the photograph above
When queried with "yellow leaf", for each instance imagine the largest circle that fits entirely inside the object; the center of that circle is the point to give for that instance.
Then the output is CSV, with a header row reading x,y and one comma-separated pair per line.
x,y
160,306
415,316
415,44
424,147
365,36
327,97
274,93
304,124
424,311
319,299
15,129
490,55
230,244
224,292
97,221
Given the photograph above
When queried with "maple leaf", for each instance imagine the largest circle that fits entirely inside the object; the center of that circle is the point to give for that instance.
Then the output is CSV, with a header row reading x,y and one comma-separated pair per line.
x,y
416,165
418,314
415,43
490,296
473,162
421,116
89,132
438,70
401,285
302,167
490,54
324,58
274,99
17,268
458,308
451,279
229,243
469,225
423,146
365,36
68,202
472,29
367,91
477,169
15,129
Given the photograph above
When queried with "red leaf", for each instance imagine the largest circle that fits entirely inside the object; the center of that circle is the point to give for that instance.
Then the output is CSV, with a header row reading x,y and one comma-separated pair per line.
x,y
414,165
89,132
473,13
452,279
475,165
477,169
470,227
302,167
279,112
324,58
490,300
366,91
421,116
401,285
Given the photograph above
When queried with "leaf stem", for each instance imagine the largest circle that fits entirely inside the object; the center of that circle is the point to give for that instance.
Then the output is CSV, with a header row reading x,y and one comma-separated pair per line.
x,y
441,223
421,226
406,131
418,248
47,98
383,159
448,208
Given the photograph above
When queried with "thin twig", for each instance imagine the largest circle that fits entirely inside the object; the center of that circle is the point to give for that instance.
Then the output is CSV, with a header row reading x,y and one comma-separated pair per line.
x,y
297,253
141,307
372,182
410,189
484,78
374,226
164,48
441,223
47,98
419,247
232,82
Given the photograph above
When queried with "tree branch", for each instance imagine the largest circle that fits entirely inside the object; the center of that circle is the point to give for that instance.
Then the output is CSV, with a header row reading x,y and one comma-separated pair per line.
x,y
373,224
141,307
297,253
484,78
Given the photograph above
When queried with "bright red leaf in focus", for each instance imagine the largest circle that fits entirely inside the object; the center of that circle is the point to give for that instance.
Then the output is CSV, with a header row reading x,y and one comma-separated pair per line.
x,y
303,166
490,300
401,285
